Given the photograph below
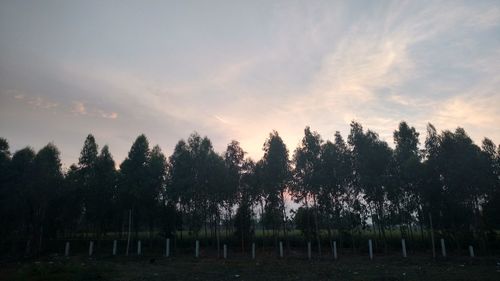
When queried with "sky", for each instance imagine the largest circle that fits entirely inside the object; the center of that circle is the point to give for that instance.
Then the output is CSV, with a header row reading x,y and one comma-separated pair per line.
x,y
240,69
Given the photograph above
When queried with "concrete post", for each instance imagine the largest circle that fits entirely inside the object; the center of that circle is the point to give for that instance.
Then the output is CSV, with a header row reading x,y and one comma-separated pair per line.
x,y
443,248
253,250
139,248
335,250
167,248
370,249
225,251
66,250
114,247
91,248
471,251
281,249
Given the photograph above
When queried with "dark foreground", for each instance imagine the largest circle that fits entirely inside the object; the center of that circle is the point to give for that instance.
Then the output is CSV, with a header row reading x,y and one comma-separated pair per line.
x,y
349,268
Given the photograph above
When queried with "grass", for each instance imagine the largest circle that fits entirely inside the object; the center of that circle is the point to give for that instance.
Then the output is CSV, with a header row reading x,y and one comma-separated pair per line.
x,y
242,268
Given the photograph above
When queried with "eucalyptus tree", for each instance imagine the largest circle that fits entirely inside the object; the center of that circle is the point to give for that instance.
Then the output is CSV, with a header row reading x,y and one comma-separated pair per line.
x,y
197,181
463,176
151,198
234,160
180,180
372,158
6,192
275,178
87,181
247,197
338,195
104,195
19,200
407,177
492,206
307,176
204,162
133,182
47,182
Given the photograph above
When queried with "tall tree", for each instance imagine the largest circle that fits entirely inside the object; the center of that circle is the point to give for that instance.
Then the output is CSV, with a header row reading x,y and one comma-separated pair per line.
x,y
372,158
307,175
275,179
46,187
134,176
407,177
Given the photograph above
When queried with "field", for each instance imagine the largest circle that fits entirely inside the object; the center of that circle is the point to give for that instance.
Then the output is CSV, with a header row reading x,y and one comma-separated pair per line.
x,y
241,268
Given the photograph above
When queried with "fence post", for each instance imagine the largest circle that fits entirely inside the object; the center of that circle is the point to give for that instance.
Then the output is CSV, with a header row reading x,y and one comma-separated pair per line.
x,y
471,251
370,249
281,249
91,248
225,251
403,246
443,248
114,247
66,250
139,248
335,250
253,250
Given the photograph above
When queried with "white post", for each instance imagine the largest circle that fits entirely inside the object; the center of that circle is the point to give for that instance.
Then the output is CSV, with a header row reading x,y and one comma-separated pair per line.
x,y
281,249
403,245
167,248
225,251
443,248
471,251
335,249
91,248
197,249
66,250
115,245
253,250
370,249
309,250
139,250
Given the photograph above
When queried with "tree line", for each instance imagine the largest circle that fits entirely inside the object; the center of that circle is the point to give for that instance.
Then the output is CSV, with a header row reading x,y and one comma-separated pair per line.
x,y
343,188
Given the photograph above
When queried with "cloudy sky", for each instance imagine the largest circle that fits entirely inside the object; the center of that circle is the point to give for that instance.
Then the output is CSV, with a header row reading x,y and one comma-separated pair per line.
x,y
239,69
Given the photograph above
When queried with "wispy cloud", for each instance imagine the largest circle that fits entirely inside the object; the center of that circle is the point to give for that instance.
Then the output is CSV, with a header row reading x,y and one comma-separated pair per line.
x,y
295,64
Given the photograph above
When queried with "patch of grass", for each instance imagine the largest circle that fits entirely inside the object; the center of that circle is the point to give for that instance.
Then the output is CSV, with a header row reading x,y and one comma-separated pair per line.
x,y
264,268
60,271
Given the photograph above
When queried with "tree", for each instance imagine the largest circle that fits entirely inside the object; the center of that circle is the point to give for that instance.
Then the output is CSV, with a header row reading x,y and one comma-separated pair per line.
x,y
372,158
152,200
338,196
307,175
88,182
46,187
104,193
5,192
275,178
134,175
407,177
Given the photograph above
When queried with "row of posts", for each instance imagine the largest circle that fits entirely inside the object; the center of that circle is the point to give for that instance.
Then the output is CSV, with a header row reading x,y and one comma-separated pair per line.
x,y
281,255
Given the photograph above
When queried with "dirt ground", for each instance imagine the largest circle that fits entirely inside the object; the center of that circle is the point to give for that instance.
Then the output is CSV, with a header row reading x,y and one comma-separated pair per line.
x,y
266,268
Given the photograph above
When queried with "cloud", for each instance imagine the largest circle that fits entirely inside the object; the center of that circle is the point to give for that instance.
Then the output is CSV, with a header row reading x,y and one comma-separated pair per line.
x,y
79,108
318,64
110,115
34,101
